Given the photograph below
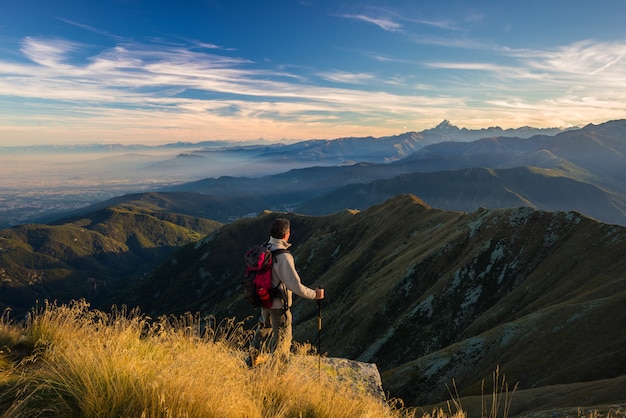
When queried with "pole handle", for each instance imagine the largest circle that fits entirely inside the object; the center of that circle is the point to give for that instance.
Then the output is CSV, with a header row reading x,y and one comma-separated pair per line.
x,y
319,311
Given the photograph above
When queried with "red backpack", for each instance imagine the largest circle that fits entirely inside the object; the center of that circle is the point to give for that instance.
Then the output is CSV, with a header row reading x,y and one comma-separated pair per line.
x,y
257,279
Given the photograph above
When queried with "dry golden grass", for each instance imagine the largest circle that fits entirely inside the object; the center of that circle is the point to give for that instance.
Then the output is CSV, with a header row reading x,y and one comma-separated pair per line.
x,y
71,361
77,362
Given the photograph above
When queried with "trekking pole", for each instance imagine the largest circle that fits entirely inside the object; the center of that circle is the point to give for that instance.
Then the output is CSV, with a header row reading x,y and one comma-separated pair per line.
x,y
319,335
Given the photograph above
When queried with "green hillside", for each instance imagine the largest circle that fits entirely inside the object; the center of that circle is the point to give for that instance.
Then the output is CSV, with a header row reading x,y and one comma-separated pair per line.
x,y
90,256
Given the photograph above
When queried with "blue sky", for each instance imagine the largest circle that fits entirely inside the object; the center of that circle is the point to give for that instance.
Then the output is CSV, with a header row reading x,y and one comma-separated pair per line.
x,y
138,71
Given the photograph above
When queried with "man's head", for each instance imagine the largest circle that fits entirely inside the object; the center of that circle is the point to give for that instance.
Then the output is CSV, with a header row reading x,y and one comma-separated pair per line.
x,y
279,228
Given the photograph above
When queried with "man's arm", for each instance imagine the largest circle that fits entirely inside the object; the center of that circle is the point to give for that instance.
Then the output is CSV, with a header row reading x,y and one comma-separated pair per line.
x,y
286,271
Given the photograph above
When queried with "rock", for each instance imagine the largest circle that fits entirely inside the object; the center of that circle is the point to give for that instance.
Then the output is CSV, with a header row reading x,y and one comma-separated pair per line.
x,y
363,377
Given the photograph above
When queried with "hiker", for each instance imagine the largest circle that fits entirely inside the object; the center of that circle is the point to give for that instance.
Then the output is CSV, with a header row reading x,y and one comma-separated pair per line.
x,y
273,333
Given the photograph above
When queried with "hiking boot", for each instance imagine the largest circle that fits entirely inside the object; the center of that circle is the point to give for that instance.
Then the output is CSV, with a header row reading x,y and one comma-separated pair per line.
x,y
260,359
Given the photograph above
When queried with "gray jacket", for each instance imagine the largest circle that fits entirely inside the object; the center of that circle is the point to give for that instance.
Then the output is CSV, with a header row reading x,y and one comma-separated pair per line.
x,y
284,274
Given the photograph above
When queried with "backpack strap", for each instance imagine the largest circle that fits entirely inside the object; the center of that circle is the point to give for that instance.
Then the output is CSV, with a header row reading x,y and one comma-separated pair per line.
x,y
279,251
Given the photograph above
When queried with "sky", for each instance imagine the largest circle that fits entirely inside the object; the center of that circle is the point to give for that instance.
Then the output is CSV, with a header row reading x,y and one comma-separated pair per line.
x,y
154,71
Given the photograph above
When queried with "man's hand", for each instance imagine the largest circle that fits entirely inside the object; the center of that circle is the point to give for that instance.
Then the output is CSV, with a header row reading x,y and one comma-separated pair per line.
x,y
319,293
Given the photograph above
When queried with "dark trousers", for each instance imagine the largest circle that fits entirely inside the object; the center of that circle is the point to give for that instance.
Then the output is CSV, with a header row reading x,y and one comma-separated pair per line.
x,y
273,332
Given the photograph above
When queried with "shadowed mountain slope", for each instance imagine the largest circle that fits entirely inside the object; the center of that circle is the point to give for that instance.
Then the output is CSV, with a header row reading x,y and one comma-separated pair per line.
x,y
468,189
220,206
91,256
432,295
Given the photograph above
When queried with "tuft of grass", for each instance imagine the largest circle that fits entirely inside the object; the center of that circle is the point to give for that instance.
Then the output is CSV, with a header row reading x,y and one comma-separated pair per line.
x,y
498,404
87,363
500,397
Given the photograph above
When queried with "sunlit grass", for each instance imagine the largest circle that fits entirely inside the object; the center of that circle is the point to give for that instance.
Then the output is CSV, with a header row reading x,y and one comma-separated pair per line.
x,y
77,362
71,361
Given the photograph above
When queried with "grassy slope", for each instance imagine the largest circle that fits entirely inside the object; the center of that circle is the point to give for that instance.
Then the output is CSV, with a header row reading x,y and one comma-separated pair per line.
x,y
74,362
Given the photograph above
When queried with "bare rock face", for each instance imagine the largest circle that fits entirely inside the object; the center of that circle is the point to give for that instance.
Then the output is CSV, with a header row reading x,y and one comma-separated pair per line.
x,y
364,378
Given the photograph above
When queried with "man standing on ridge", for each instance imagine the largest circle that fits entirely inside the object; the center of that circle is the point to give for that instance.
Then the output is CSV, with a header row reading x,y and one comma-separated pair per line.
x,y
274,332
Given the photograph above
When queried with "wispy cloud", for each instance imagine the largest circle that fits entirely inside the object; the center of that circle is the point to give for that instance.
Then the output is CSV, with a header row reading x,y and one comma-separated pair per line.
x,y
441,24
49,53
472,66
346,77
392,21
584,58
591,63
568,83
384,23
89,28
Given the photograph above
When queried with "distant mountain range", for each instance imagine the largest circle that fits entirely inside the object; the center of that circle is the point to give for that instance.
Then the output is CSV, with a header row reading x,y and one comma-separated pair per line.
x,y
98,147
445,131
390,148
93,172
579,170
78,174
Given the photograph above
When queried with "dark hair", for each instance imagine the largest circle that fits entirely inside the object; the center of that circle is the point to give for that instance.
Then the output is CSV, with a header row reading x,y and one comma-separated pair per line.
x,y
279,228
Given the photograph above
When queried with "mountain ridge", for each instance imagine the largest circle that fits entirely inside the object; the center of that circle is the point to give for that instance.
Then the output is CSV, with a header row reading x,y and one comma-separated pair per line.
x,y
432,295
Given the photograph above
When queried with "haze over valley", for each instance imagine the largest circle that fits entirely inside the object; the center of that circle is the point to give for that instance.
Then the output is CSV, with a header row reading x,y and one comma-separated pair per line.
x,y
40,182
449,167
